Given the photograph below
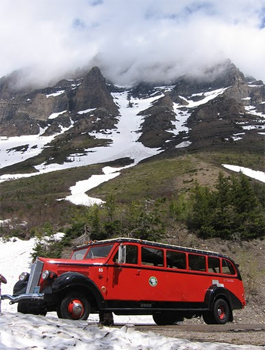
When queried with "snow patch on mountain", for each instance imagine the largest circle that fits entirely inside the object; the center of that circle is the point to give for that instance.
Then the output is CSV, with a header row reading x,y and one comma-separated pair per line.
x,y
78,191
122,142
20,148
257,175
205,97
55,94
55,115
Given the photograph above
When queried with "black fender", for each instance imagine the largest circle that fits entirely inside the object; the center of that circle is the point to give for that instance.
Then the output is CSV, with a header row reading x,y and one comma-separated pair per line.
x,y
20,287
77,281
215,292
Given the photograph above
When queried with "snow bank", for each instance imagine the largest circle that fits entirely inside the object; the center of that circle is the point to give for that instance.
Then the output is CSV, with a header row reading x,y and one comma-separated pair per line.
x,y
258,175
37,332
79,196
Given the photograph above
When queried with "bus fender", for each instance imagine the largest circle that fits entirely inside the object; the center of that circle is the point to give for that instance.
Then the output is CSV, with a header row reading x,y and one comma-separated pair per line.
x,y
216,292
75,280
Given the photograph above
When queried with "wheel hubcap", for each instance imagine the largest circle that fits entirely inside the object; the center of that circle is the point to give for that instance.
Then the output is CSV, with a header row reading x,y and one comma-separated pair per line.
x,y
76,309
221,312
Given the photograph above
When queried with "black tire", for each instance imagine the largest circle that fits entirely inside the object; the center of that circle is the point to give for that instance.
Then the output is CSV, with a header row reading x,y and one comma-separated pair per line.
x,y
106,318
74,306
166,318
208,317
221,313
25,308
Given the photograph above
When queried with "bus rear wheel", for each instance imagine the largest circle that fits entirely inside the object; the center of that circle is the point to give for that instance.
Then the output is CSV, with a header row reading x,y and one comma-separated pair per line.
x,y
166,318
220,313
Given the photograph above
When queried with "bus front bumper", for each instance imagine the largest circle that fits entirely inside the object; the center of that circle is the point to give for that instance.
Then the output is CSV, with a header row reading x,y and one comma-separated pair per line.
x,y
22,297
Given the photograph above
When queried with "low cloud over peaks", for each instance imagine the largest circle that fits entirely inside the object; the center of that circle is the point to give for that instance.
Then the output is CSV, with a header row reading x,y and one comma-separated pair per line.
x,y
130,40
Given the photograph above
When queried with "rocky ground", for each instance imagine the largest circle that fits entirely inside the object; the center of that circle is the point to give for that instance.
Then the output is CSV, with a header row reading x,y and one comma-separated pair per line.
x,y
248,328
231,334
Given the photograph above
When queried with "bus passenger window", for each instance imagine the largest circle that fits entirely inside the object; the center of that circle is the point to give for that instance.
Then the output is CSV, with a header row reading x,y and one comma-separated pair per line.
x,y
152,256
131,254
176,260
227,267
213,265
197,262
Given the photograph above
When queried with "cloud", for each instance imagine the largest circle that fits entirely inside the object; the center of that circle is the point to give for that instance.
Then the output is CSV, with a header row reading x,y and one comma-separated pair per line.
x,y
130,40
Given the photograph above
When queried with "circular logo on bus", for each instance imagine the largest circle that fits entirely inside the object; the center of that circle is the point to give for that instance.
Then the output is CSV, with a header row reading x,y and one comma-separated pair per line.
x,y
153,281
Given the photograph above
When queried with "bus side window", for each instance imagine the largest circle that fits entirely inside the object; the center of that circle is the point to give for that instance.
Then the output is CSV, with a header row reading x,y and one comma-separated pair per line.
x,y
197,262
213,265
227,267
131,255
152,256
176,260
79,254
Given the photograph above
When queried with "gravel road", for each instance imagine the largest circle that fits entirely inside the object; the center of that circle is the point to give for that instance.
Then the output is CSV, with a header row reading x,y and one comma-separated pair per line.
x,y
247,334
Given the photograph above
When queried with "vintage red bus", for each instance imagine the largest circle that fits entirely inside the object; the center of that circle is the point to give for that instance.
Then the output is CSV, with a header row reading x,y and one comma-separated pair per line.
x,y
133,277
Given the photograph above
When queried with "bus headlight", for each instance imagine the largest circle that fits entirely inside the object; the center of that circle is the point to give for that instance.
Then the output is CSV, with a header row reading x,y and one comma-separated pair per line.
x,y
48,275
24,276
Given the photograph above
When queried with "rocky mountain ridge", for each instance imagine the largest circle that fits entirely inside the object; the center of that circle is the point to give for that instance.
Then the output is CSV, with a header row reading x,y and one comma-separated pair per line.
x,y
221,108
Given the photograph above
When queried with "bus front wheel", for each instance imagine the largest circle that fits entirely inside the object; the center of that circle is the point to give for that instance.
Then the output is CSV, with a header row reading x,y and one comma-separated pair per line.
x,y
74,306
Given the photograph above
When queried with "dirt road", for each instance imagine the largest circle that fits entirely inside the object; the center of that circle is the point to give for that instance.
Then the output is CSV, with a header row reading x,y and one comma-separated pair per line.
x,y
240,334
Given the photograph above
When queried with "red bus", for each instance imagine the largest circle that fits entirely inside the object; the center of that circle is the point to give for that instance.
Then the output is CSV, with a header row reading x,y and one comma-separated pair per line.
x,y
133,277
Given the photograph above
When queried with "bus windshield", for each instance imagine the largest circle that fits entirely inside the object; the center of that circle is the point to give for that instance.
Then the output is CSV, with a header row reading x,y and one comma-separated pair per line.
x,y
79,254
99,251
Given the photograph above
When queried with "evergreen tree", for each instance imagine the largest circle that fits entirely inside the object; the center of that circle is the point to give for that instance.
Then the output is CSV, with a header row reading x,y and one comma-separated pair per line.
x,y
232,209
244,197
97,232
110,205
224,214
201,218
145,221
223,195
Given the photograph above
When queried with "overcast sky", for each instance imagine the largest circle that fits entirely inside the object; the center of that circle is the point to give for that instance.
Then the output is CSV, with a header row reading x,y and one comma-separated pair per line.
x,y
131,40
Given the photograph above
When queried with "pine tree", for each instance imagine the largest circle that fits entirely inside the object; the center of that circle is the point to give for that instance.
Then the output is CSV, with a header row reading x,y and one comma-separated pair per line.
x,y
201,218
232,209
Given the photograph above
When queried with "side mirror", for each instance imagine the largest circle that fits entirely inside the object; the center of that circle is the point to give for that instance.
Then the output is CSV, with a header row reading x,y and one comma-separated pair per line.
x,y
122,254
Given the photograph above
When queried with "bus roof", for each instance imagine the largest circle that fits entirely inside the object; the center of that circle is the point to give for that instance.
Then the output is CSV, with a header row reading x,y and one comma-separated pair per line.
x,y
154,244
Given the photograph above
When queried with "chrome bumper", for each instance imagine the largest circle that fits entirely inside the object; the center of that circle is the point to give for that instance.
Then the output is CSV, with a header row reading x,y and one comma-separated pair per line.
x,y
18,298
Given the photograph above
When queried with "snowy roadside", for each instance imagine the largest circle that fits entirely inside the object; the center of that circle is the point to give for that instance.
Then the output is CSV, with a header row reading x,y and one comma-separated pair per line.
x,y
38,332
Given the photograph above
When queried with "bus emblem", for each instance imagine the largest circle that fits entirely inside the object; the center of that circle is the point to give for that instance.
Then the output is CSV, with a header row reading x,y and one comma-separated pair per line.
x,y
153,281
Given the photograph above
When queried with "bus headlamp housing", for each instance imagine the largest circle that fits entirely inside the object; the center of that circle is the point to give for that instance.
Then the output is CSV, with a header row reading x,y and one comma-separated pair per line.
x,y
48,275
24,277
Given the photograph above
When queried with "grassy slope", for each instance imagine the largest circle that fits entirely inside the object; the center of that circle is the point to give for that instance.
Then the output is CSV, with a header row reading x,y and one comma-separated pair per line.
x,y
159,177
35,199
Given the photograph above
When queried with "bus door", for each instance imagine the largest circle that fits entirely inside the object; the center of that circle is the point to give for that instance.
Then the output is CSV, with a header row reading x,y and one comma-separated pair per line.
x,y
177,276
123,274
153,274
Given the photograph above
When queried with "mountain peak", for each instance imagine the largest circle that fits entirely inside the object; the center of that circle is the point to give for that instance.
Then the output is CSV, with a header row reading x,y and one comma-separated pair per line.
x,y
196,111
93,93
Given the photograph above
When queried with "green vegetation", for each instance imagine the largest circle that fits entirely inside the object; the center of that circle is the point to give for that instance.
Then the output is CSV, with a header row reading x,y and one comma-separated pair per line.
x,y
232,210
149,201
